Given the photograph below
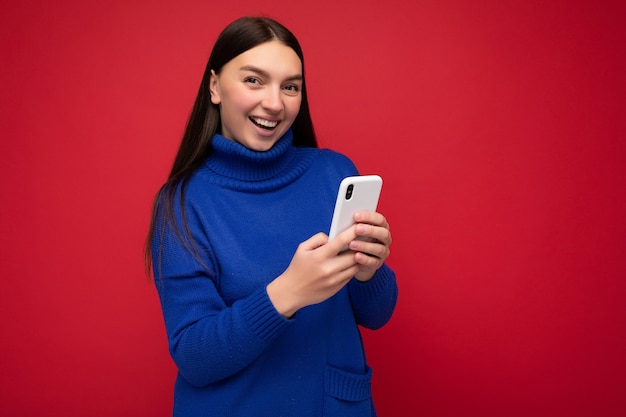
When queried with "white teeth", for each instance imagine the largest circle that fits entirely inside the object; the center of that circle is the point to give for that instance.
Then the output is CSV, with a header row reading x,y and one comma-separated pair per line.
x,y
264,123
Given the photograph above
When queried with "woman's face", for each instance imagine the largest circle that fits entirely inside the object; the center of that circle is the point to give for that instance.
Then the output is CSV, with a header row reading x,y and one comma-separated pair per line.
x,y
259,93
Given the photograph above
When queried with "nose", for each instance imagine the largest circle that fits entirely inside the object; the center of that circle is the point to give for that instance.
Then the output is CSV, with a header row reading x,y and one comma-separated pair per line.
x,y
272,100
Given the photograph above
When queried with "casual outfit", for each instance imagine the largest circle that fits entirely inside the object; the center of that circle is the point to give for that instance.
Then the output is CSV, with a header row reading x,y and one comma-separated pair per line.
x,y
236,355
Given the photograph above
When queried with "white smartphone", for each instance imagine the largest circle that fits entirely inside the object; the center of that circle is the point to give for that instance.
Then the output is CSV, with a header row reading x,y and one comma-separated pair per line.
x,y
355,193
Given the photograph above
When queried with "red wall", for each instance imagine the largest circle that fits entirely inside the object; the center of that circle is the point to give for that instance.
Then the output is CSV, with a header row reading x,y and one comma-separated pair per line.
x,y
498,126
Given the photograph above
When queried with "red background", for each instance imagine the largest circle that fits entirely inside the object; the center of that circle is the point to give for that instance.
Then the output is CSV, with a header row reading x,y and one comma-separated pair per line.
x,y
498,127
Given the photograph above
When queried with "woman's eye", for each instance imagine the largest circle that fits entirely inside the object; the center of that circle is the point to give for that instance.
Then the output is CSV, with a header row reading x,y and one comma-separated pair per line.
x,y
292,88
252,80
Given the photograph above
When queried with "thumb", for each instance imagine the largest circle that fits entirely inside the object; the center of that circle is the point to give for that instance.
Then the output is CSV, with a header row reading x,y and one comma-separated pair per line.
x,y
314,242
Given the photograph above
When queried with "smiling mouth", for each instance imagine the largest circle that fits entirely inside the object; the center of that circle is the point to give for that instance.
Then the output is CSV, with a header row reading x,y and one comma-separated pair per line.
x,y
263,123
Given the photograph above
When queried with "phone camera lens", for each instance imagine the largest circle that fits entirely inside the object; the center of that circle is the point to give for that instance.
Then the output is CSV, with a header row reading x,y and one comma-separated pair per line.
x,y
349,191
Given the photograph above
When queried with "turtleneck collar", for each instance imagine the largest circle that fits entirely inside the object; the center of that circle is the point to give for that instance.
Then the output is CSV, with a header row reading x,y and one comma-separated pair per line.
x,y
235,166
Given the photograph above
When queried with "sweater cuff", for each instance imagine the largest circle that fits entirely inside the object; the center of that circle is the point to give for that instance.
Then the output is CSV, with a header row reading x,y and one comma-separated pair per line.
x,y
379,284
262,318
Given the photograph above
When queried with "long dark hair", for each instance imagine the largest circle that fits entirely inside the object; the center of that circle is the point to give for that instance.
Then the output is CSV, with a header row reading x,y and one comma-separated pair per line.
x,y
204,121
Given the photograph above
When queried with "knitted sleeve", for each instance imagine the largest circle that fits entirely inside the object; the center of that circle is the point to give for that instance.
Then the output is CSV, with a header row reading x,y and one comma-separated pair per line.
x,y
208,340
374,301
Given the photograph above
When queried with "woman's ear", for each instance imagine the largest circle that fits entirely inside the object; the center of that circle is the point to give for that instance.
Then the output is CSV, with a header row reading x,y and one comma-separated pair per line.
x,y
214,88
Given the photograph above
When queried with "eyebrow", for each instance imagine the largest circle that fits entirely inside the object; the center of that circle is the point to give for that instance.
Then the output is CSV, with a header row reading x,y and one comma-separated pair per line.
x,y
252,68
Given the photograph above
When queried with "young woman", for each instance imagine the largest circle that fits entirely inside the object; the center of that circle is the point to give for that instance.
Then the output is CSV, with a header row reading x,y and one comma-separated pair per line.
x,y
261,309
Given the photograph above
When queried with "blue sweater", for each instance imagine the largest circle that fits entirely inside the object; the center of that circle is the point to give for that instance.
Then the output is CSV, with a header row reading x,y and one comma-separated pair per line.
x,y
235,354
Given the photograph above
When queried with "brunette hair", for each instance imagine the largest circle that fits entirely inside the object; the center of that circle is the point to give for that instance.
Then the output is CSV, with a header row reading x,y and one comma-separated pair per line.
x,y
204,121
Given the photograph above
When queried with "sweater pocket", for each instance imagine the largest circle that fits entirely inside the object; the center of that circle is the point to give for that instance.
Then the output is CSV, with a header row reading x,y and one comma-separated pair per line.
x,y
347,393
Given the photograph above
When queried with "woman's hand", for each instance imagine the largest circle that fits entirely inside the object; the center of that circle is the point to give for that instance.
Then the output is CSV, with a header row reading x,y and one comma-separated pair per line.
x,y
320,268
316,273
372,252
